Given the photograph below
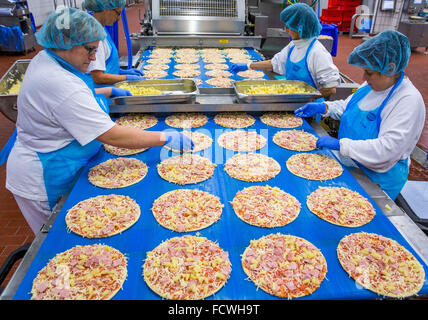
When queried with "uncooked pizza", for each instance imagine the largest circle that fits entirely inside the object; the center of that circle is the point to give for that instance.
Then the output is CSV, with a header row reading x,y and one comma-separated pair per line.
x,y
155,74
159,61
118,151
156,67
240,140
197,81
380,264
187,268
186,73
185,210
102,216
200,140
281,120
187,66
214,60
240,60
220,82
187,59
252,74
186,169
91,272
266,207
236,120
216,73
117,173
341,206
297,140
285,266
137,120
314,166
186,120
216,66
252,167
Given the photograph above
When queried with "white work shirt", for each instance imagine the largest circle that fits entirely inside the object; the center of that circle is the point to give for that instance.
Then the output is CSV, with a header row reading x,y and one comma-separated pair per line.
x,y
103,53
55,108
320,62
402,122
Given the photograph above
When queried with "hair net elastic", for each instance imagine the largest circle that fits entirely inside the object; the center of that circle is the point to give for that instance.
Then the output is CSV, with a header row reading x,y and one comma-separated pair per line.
x,y
301,18
388,53
101,5
68,27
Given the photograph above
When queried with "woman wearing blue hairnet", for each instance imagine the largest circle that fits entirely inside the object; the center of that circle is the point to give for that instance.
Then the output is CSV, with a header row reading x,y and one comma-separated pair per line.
x,y
382,121
62,119
304,58
105,70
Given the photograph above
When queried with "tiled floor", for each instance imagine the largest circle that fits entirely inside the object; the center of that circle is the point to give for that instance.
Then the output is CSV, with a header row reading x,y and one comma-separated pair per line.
x,y
14,230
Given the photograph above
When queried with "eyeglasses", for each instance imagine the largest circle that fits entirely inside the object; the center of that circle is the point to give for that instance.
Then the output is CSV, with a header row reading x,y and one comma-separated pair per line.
x,y
90,50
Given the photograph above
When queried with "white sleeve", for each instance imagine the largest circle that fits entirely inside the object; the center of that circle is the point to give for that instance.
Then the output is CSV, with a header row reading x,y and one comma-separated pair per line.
x,y
337,107
398,134
279,60
101,57
82,117
321,66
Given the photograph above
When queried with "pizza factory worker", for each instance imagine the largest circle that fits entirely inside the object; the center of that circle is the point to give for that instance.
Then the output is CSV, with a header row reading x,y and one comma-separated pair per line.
x,y
382,121
105,70
304,58
62,121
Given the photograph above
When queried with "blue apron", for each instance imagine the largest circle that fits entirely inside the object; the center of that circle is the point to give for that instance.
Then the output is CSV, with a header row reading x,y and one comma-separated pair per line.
x,y
112,62
60,167
357,124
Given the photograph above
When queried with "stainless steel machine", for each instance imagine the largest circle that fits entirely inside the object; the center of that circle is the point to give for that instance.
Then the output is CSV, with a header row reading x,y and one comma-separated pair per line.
x,y
414,23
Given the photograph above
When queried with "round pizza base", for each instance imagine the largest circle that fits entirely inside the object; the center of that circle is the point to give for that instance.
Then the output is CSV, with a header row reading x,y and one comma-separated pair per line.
x,y
271,263
340,206
138,120
159,61
187,67
252,167
179,261
185,210
297,140
186,169
155,74
118,173
97,257
235,120
252,74
217,73
117,151
369,256
281,120
242,141
220,82
314,166
106,215
201,142
156,67
186,73
266,207
186,120
216,66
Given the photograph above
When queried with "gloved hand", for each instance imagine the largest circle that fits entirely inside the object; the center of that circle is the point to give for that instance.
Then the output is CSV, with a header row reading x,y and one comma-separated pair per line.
x,y
178,141
132,71
118,92
310,109
236,67
328,142
132,77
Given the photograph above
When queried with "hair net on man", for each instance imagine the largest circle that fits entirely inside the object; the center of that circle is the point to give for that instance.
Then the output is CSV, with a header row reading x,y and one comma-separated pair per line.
x,y
388,53
101,5
68,27
301,18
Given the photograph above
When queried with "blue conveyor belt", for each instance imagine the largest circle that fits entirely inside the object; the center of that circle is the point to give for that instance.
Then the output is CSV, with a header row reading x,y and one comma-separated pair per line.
x,y
231,233
254,55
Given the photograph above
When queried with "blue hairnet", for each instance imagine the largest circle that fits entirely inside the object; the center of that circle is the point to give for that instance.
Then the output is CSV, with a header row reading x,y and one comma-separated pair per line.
x,y
101,5
388,53
301,18
68,27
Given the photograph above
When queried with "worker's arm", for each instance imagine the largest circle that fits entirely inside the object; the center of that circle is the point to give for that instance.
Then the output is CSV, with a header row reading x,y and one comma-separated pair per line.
x,y
132,138
261,65
326,92
100,77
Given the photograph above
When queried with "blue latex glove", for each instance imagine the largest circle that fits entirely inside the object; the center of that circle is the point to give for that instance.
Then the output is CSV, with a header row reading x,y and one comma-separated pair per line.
x,y
132,77
328,142
118,92
132,71
310,109
178,141
236,67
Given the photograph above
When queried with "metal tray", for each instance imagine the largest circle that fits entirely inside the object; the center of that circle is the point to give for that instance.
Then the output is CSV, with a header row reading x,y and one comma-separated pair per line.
x,y
173,91
240,86
8,101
